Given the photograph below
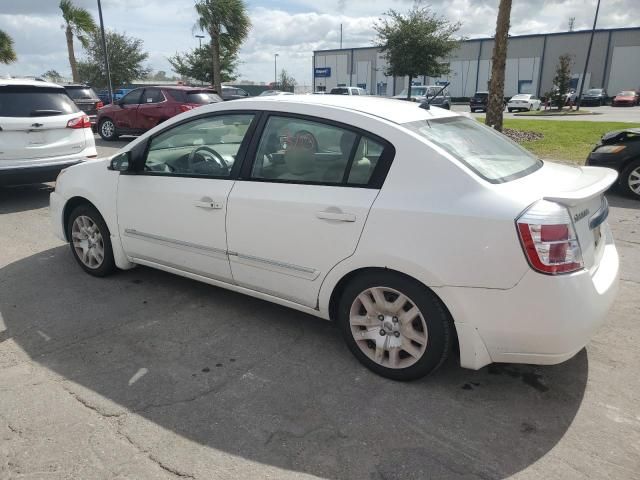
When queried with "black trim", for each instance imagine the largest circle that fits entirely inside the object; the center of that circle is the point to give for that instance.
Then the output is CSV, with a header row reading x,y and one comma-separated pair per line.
x,y
137,164
352,155
378,175
35,174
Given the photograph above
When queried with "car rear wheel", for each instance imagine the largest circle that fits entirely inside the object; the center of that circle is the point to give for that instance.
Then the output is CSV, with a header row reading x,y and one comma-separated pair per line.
x,y
395,326
630,180
107,130
90,241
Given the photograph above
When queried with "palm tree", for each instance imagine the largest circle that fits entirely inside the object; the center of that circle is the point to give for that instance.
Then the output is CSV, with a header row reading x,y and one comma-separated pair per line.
x,y
227,24
79,23
7,53
495,102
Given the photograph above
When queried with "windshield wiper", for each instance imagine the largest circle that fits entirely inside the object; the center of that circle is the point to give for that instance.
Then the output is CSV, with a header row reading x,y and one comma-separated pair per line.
x,y
427,105
44,113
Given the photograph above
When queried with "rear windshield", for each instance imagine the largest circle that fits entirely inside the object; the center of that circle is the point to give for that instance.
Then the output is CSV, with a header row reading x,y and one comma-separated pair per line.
x,y
488,153
481,95
201,97
594,91
339,91
25,101
78,93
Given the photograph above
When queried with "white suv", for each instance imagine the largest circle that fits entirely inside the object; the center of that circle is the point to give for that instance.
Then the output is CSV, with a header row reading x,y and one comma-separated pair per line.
x,y
41,132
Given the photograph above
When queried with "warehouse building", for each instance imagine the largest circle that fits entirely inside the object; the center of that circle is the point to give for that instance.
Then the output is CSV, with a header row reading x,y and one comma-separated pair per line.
x,y
531,64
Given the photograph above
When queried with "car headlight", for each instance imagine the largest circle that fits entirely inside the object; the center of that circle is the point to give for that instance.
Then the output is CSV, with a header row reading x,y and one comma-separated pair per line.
x,y
610,149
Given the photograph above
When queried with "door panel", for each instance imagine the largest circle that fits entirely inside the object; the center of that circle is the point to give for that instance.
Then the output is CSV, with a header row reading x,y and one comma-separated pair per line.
x,y
151,110
173,210
284,238
175,221
299,215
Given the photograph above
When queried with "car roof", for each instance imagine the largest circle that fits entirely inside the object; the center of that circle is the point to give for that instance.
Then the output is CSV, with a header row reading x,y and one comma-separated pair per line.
x,y
396,111
28,83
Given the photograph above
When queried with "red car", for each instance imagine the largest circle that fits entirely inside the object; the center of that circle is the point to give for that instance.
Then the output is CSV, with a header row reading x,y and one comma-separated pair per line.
x,y
626,98
144,108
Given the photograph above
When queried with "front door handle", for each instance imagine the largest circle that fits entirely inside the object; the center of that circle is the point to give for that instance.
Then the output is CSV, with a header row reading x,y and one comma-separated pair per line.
x,y
336,215
208,203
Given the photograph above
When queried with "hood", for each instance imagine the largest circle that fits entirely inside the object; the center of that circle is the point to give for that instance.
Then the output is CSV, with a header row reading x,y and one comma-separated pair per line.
x,y
619,135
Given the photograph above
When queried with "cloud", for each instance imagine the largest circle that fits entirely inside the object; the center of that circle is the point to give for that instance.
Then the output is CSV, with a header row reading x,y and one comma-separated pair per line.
x,y
293,29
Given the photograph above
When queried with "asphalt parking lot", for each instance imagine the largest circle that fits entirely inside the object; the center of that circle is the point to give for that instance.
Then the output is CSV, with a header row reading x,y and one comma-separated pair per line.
x,y
145,375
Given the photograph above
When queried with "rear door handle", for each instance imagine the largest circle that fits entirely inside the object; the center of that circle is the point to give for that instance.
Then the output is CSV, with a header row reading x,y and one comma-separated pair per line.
x,y
337,216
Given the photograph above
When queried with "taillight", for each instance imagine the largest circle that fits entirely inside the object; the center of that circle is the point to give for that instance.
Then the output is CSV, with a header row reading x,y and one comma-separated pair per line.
x,y
99,105
185,108
80,122
548,238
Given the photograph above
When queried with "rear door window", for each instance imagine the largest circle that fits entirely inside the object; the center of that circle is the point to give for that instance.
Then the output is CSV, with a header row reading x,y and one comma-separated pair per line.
x,y
309,152
152,95
28,101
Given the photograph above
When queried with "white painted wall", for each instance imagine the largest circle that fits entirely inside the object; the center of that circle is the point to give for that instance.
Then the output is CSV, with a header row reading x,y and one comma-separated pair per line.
x,y
625,69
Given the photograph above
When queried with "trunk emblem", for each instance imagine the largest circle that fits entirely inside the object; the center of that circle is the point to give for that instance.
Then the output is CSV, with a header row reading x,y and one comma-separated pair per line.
x,y
580,215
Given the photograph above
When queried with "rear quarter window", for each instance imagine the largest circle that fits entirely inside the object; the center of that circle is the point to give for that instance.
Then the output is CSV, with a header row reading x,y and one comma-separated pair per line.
x,y
486,152
28,101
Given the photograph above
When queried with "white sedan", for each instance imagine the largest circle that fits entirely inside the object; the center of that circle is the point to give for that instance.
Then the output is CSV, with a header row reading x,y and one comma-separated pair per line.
x,y
413,229
524,101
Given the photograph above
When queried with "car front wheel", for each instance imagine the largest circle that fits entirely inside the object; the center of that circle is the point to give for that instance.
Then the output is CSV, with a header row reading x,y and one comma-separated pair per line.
x,y
107,129
394,325
90,241
630,180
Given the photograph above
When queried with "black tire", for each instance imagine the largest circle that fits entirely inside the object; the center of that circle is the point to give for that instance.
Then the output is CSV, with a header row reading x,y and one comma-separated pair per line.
x,y
108,264
438,322
473,110
623,181
110,134
510,110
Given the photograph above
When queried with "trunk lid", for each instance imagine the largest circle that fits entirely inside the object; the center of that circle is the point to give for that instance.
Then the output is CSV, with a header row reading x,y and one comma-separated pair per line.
x,y
581,190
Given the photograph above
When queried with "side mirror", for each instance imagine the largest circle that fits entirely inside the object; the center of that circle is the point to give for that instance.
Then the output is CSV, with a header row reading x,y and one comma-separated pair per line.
x,y
120,163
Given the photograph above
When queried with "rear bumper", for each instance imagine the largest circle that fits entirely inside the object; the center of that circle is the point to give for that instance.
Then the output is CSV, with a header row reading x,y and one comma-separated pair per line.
x,y
542,320
34,174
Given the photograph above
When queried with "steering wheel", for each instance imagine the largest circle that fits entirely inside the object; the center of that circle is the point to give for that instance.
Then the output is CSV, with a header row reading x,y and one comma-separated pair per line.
x,y
209,155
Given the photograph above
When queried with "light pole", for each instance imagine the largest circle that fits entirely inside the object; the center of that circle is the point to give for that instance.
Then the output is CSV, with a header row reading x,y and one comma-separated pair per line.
x,y
104,51
200,37
586,62
275,71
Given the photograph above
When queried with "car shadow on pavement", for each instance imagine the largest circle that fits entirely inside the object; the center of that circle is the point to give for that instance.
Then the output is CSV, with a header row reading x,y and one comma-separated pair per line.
x,y
21,198
620,201
271,385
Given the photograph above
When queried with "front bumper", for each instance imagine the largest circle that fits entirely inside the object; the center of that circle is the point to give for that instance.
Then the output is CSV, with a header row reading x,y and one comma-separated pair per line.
x,y
542,320
56,206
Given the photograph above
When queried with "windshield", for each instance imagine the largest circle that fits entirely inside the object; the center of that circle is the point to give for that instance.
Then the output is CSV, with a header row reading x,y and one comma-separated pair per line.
x,y
26,101
488,153
339,91
626,93
520,97
420,91
81,93
594,91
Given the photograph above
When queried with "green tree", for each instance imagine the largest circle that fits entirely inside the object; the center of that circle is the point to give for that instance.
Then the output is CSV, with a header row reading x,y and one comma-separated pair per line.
x,y
78,23
495,102
7,53
52,76
562,80
126,60
227,23
197,64
286,83
415,44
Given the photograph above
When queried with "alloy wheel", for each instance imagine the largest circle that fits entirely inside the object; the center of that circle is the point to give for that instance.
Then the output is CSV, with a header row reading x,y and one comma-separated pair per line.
x,y
107,129
388,327
634,180
88,243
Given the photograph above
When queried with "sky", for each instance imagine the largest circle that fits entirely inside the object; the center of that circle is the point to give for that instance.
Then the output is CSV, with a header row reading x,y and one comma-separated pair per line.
x,y
292,29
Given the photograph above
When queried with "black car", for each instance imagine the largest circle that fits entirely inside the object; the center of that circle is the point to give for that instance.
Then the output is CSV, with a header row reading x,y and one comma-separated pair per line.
x,y
86,99
620,150
594,96
479,101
